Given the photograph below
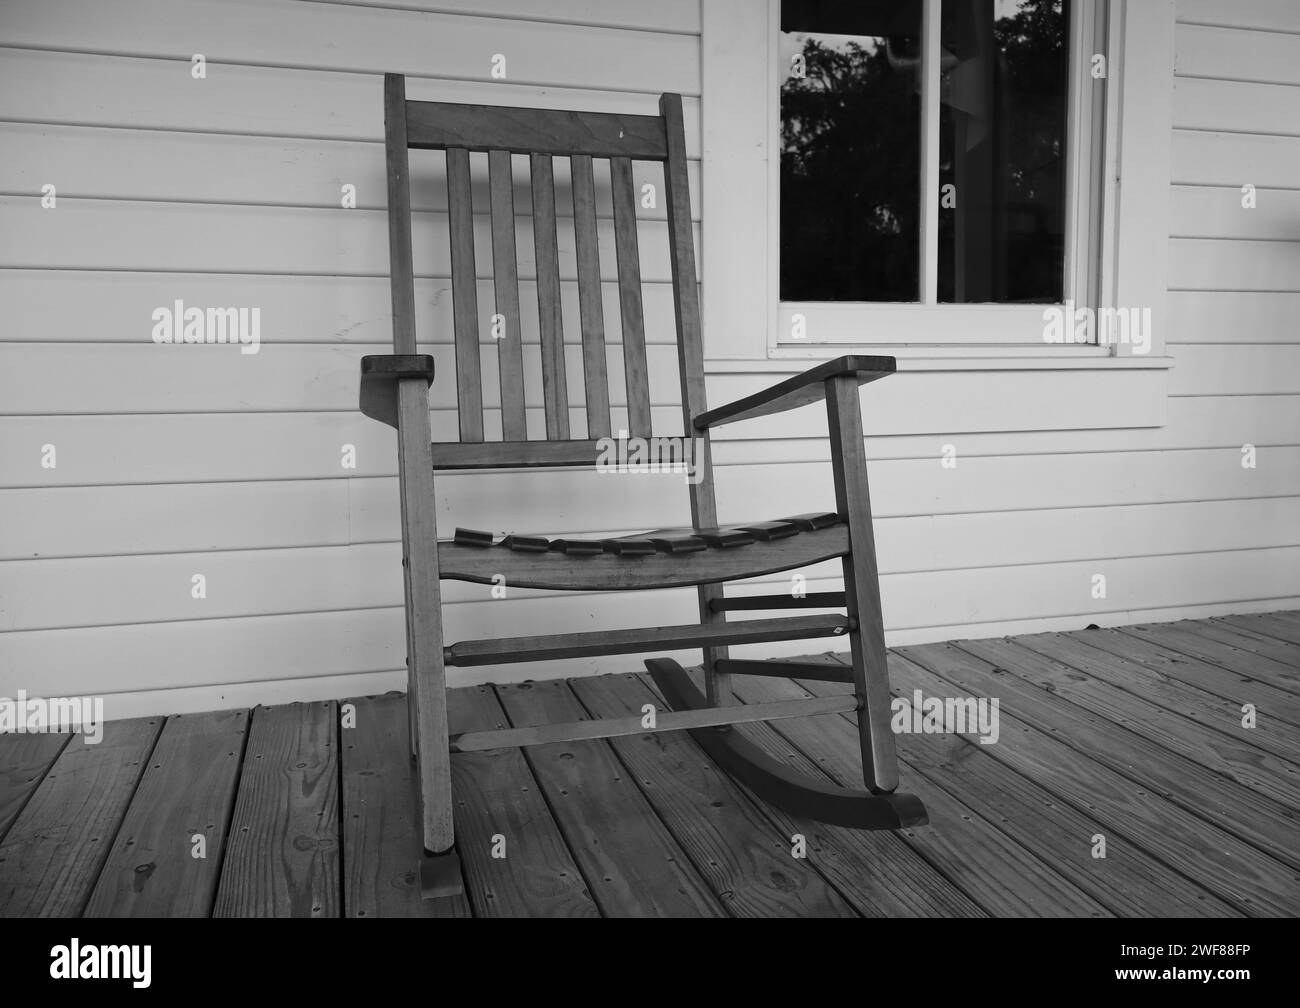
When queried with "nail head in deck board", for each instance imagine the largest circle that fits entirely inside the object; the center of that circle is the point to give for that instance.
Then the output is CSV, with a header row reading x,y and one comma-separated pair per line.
x,y
282,857
1263,822
1128,880
1254,666
875,870
54,850
1167,664
1218,753
1243,876
188,787
1005,880
496,792
379,809
635,866
1267,624
24,761
731,841
1202,709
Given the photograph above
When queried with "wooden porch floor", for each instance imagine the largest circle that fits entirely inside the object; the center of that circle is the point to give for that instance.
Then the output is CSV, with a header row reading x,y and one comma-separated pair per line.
x,y
1132,735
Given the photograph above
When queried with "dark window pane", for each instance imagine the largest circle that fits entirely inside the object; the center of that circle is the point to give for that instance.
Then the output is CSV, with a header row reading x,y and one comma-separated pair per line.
x,y
850,150
1002,150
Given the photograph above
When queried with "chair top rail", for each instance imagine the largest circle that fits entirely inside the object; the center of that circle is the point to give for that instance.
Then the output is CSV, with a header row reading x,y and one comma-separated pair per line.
x,y
439,125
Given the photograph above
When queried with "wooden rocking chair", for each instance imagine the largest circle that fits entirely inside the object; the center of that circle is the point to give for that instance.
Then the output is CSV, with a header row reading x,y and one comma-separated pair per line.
x,y
394,390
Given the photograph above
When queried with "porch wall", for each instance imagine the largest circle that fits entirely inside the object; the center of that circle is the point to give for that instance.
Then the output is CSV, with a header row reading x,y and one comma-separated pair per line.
x,y
176,461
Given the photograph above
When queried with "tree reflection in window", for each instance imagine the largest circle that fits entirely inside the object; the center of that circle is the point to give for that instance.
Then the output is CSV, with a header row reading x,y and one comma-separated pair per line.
x,y
850,150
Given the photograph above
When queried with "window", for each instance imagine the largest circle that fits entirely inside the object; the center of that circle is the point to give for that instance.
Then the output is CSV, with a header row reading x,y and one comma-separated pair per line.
x,y
940,168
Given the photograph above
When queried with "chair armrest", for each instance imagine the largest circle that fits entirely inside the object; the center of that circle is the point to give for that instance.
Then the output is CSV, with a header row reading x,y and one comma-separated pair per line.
x,y
797,391
380,374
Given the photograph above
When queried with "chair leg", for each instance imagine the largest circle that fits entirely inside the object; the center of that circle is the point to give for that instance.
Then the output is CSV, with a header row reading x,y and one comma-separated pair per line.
x,y
862,585
426,673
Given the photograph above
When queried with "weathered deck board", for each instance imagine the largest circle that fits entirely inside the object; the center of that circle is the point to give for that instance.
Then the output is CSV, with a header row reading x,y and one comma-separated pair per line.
x,y
1199,706
379,814
1266,775
1128,881
876,871
282,857
24,762
1239,689
1008,881
53,852
188,790
634,865
1273,625
735,846
1133,735
498,802
1256,666
1229,867
1286,652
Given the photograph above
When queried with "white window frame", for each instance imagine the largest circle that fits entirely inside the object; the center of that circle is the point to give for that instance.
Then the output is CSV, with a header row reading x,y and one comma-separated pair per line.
x,y
741,210
866,324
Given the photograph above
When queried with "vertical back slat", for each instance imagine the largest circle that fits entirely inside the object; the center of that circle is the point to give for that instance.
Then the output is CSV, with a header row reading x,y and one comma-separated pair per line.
x,y
590,308
464,295
555,388
505,278
402,284
629,297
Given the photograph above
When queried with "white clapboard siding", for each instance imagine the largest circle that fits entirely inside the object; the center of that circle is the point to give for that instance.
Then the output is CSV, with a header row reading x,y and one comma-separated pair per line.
x,y
1268,57
663,15
49,306
155,165
1227,317
1276,15
1232,265
1205,212
197,378
77,521
1235,106
225,192
360,40
209,238
343,643
143,93
106,591
1235,159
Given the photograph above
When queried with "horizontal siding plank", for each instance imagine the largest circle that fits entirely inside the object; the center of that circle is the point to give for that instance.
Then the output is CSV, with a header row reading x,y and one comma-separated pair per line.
x,y
1279,15
144,377
138,164
48,306
113,235
186,517
665,15
99,591
1231,317
1239,370
1233,265
359,39
1224,54
1217,212
1235,107
51,87
270,648
1233,159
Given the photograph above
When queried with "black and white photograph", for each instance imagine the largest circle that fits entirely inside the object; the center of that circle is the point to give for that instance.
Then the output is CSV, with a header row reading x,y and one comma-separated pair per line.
x,y
624,459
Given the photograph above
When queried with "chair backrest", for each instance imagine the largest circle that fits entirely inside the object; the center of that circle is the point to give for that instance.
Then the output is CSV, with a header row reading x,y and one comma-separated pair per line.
x,y
544,135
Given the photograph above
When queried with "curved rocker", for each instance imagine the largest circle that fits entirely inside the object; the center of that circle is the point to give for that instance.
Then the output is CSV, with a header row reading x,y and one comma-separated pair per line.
x,y
776,783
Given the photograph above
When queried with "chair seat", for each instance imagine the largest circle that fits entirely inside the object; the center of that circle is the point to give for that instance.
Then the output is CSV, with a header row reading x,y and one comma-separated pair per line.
x,y
674,541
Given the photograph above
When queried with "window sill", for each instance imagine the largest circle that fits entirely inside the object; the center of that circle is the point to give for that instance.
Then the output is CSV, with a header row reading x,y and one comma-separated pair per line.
x,y
791,360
